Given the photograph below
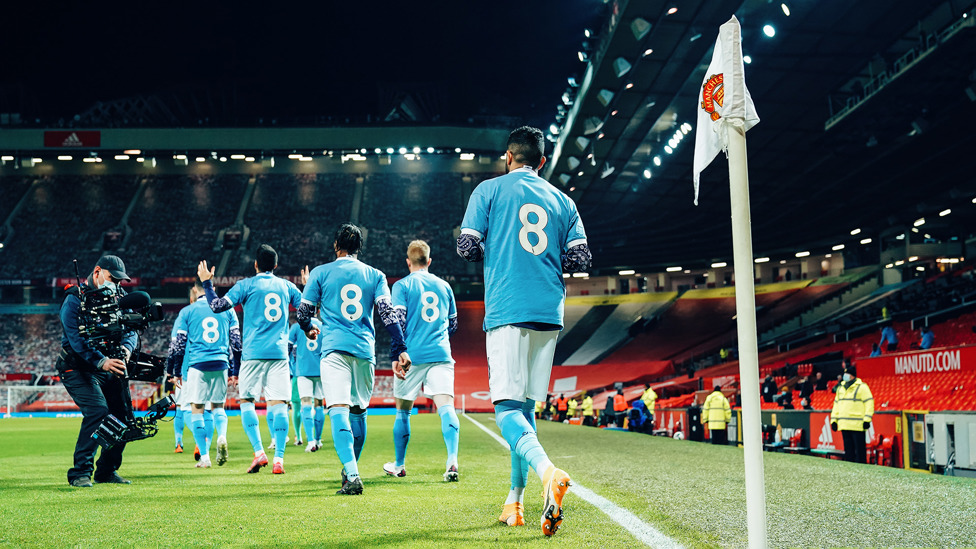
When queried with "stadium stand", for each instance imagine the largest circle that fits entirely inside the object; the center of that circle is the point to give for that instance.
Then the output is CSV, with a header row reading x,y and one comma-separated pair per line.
x,y
47,232
627,313
164,244
297,215
397,208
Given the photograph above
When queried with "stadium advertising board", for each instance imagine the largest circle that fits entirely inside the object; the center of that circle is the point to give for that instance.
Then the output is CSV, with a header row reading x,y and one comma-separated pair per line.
x,y
73,139
947,361
673,421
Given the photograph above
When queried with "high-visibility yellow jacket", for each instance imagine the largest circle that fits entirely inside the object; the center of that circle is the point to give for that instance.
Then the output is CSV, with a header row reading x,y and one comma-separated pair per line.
x,y
572,407
538,406
588,406
716,412
853,405
649,397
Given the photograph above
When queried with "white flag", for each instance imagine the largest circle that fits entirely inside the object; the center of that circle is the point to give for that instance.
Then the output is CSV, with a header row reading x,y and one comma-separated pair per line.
x,y
723,99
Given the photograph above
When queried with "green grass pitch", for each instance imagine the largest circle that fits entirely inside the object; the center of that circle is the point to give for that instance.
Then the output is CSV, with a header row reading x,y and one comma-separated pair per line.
x,y
692,492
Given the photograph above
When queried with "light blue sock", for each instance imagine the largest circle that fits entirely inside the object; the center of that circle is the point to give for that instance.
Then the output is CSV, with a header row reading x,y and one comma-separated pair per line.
x,y
178,426
208,422
249,418
451,429
319,421
270,420
220,422
401,436
296,419
308,420
199,428
358,424
520,471
520,435
279,422
342,440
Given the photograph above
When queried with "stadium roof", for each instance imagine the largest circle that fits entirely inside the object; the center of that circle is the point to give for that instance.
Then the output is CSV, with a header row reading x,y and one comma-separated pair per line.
x,y
900,155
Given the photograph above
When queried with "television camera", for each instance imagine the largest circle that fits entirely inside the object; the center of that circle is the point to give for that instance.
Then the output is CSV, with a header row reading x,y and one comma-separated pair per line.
x,y
105,316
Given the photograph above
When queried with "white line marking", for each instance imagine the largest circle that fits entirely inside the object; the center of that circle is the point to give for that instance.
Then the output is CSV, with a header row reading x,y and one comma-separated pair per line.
x,y
644,532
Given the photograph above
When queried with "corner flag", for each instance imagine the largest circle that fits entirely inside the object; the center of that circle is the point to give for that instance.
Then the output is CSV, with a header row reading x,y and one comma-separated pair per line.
x,y
724,99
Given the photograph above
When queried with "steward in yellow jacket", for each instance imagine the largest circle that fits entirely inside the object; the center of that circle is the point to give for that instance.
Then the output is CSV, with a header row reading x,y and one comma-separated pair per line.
x,y
852,413
649,397
717,413
587,409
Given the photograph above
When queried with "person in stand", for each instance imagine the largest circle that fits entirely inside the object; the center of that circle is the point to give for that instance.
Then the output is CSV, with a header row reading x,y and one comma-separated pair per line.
x,y
649,397
927,338
851,414
620,408
716,413
768,389
562,406
820,382
875,350
805,386
889,335
95,381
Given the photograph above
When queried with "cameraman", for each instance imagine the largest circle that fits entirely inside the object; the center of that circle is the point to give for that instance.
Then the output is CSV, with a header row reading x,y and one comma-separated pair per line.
x,y
95,382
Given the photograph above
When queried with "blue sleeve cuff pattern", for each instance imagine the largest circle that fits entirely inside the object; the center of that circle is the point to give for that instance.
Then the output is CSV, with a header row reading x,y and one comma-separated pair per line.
x,y
177,348
577,259
305,313
470,248
452,325
217,304
235,351
389,316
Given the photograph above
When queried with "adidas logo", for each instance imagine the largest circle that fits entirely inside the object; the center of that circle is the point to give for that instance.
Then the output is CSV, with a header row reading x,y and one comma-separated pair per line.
x,y
826,435
72,141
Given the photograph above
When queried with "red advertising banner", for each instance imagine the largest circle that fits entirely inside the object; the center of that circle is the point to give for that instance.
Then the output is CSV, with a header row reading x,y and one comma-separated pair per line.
x,y
946,361
674,421
73,139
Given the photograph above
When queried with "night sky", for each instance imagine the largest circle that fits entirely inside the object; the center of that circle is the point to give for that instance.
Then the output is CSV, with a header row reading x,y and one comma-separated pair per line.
x,y
278,59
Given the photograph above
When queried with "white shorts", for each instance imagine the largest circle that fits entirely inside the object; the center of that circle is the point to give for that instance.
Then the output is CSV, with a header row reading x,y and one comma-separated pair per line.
x,y
437,378
272,376
519,363
203,387
180,396
347,380
310,387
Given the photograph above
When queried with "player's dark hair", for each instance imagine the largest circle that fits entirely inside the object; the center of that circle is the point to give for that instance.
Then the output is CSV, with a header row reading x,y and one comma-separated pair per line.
x,y
349,238
198,286
527,145
266,257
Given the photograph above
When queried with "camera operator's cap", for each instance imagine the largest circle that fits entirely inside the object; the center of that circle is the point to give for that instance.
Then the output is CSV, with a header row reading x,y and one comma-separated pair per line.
x,y
113,264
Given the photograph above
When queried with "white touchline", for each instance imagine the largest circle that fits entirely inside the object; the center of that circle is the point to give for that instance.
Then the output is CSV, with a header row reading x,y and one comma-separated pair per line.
x,y
644,532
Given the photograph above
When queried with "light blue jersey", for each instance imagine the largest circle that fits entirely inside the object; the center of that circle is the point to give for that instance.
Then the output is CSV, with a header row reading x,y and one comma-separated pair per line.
x,y
265,298
345,292
207,335
525,225
429,305
307,356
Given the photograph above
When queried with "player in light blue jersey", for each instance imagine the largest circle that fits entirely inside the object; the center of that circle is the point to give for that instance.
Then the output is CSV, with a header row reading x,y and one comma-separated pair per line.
x,y
209,344
308,376
527,233
425,308
345,292
264,365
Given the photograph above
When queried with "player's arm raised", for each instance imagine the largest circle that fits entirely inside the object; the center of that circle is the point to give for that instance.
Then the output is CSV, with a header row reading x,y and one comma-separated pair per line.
x,y
217,304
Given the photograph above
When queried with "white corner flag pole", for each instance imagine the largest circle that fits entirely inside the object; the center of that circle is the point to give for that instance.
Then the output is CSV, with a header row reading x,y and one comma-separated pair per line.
x,y
745,305
725,114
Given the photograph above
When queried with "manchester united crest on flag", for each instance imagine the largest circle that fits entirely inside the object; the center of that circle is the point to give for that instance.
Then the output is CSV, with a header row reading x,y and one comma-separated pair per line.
x,y
723,99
